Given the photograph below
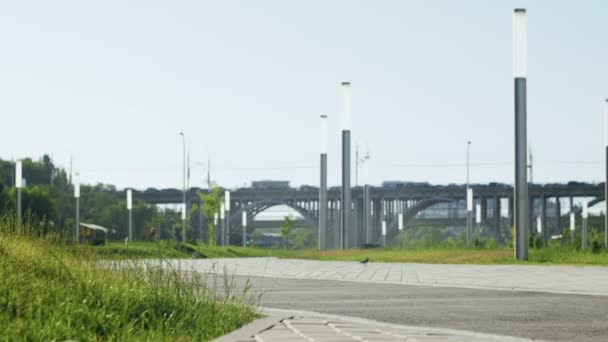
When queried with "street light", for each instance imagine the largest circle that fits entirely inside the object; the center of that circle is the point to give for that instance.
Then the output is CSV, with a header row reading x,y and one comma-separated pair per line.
x,y
345,204
244,227
478,218
227,207
521,178
222,218
323,184
384,232
606,179
18,185
468,156
184,211
129,208
469,216
77,197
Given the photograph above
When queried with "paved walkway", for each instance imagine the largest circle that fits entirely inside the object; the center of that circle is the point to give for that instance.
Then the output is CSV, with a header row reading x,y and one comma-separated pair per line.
x,y
589,280
285,326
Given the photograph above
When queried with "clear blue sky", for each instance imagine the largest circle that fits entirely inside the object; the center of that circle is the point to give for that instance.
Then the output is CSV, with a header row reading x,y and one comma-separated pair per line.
x,y
114,82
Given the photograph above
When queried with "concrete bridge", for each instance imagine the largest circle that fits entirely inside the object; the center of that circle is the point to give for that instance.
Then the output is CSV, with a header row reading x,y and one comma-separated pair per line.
x,y
384,203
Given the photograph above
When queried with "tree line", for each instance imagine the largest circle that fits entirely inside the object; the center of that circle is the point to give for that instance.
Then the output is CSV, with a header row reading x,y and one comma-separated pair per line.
x,y
48,203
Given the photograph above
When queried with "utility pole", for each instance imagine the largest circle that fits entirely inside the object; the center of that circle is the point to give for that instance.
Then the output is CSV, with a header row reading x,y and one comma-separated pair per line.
x,y
323,186
345,204
521,181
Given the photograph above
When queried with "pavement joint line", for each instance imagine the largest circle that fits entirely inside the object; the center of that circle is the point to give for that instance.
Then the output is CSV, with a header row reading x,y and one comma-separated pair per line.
x,y
420,329
344,333
286,322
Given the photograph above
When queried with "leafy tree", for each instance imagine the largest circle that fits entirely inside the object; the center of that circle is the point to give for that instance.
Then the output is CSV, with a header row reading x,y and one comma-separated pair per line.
x,y
211,205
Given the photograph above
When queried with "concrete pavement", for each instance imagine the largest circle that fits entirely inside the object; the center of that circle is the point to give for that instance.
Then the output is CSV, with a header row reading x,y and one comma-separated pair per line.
x,y
288,325
589,280
558,303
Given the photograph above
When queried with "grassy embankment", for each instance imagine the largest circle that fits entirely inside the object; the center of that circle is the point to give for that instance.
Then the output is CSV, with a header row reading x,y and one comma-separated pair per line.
x,y
49,291
548,255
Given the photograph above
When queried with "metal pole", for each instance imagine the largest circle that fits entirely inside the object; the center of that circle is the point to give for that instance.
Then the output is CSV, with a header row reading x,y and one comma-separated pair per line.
x,y
323,203
227,208
185,211
19,210
18,185
129,208
345,204
223,224
384,232
77,196
469,216
478,219
606,179
323,186
468,155
130,225
521,181
469,200
572,225
244,227
77,232
367,216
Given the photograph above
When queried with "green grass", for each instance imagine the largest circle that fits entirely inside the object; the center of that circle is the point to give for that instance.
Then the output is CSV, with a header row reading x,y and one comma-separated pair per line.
x,y
52,292
437,255
555,256
170,249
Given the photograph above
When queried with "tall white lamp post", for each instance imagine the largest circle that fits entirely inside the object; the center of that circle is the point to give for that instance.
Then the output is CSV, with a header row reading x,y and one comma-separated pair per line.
x,y
18,185
227,208
521,163
345,204
77,197
130,210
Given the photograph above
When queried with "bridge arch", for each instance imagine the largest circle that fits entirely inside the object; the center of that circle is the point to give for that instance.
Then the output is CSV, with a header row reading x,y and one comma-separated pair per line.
x,y
255,208
411,212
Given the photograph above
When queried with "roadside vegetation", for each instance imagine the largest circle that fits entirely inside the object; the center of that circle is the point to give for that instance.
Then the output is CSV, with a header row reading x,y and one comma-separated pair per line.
x,y
557,254
53,291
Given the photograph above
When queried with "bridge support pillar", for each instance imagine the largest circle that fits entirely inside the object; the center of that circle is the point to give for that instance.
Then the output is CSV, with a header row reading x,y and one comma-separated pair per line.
x,y
377,219
201,232
367,215
483,201
497,209
543,217
558,215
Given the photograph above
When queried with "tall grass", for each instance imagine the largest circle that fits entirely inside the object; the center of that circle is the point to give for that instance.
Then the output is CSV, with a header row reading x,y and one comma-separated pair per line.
x,y
50,291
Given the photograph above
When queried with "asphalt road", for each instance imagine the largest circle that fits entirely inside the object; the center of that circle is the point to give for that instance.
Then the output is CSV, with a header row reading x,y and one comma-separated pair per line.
x,y
534,315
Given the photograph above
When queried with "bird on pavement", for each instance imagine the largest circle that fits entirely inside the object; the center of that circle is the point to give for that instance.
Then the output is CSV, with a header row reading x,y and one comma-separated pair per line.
x,y
365,261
